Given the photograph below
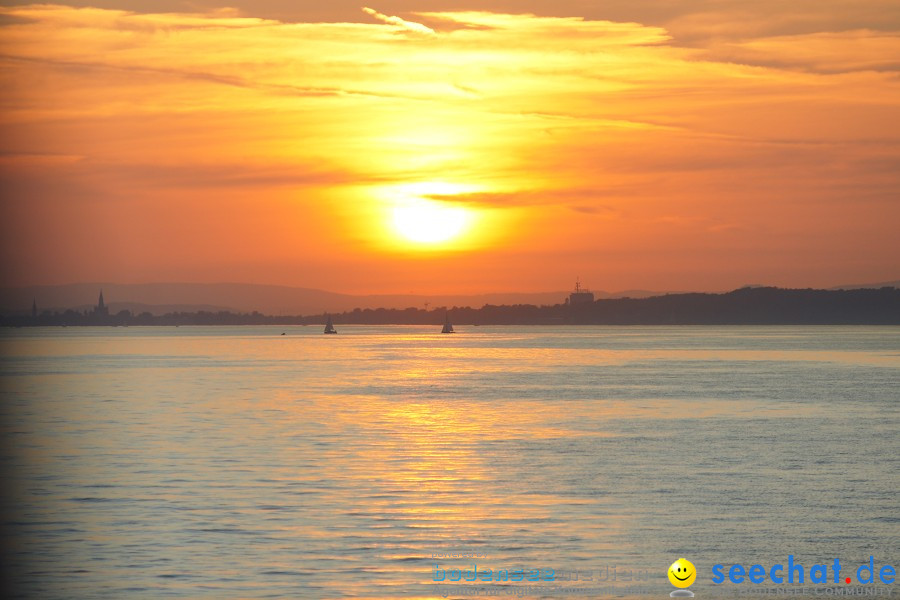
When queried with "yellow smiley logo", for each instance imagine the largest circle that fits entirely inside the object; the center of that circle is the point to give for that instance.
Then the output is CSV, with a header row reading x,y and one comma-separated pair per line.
x,y
682,573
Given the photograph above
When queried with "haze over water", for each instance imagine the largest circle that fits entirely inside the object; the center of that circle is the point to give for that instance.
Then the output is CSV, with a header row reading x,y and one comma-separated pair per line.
x,y
239,463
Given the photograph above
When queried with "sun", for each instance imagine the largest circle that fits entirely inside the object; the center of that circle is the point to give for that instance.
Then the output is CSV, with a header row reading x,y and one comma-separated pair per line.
x,y
429,221
432,216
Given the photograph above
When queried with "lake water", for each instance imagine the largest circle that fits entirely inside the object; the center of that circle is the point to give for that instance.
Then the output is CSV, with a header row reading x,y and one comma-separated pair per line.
x,y
239,463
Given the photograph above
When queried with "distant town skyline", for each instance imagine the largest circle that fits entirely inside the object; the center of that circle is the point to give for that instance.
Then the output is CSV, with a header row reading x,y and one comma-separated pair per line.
x,y
160,299
442,147
764,305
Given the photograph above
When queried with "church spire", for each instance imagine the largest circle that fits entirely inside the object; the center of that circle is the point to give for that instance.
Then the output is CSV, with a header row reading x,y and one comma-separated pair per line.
x,y
34,308
101,310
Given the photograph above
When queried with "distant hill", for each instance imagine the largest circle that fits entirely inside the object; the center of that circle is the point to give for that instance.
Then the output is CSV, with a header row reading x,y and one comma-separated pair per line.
x,y
745,306
161,298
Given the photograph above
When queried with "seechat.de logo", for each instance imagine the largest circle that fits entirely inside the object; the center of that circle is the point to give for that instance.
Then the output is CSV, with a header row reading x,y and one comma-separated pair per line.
x,y
794,572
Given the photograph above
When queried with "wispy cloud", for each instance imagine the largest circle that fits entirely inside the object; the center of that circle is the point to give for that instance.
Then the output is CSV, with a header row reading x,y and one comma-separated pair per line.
x,y
824,52
397,21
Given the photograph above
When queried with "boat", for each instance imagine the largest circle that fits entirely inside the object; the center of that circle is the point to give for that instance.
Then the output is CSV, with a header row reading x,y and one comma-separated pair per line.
x,y
448,328
329,326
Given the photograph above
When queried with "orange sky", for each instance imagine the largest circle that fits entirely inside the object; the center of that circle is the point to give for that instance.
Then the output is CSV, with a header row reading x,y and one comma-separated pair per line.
x,y
682,145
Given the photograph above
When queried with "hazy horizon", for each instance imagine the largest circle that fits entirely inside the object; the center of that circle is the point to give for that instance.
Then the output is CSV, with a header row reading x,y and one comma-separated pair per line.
x,y
490,291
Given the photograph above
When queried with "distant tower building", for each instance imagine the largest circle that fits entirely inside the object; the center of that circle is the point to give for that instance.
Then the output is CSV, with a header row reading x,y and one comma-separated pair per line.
x,y
581,295
101,310
34,308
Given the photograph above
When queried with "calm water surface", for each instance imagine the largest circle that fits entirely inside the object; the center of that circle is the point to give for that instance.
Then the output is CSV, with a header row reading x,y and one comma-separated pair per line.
x,y
239,463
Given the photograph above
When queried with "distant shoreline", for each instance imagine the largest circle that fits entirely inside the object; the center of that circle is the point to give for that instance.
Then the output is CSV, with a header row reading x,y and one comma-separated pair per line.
x,y
745,306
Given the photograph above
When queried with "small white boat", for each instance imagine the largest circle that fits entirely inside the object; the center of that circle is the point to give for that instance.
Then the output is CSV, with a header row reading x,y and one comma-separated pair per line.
x,y
448,328
329,326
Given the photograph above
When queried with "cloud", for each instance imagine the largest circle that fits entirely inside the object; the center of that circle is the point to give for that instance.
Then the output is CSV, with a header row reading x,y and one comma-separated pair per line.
x,y
585,200
823,52
529,28
408,25
701,23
